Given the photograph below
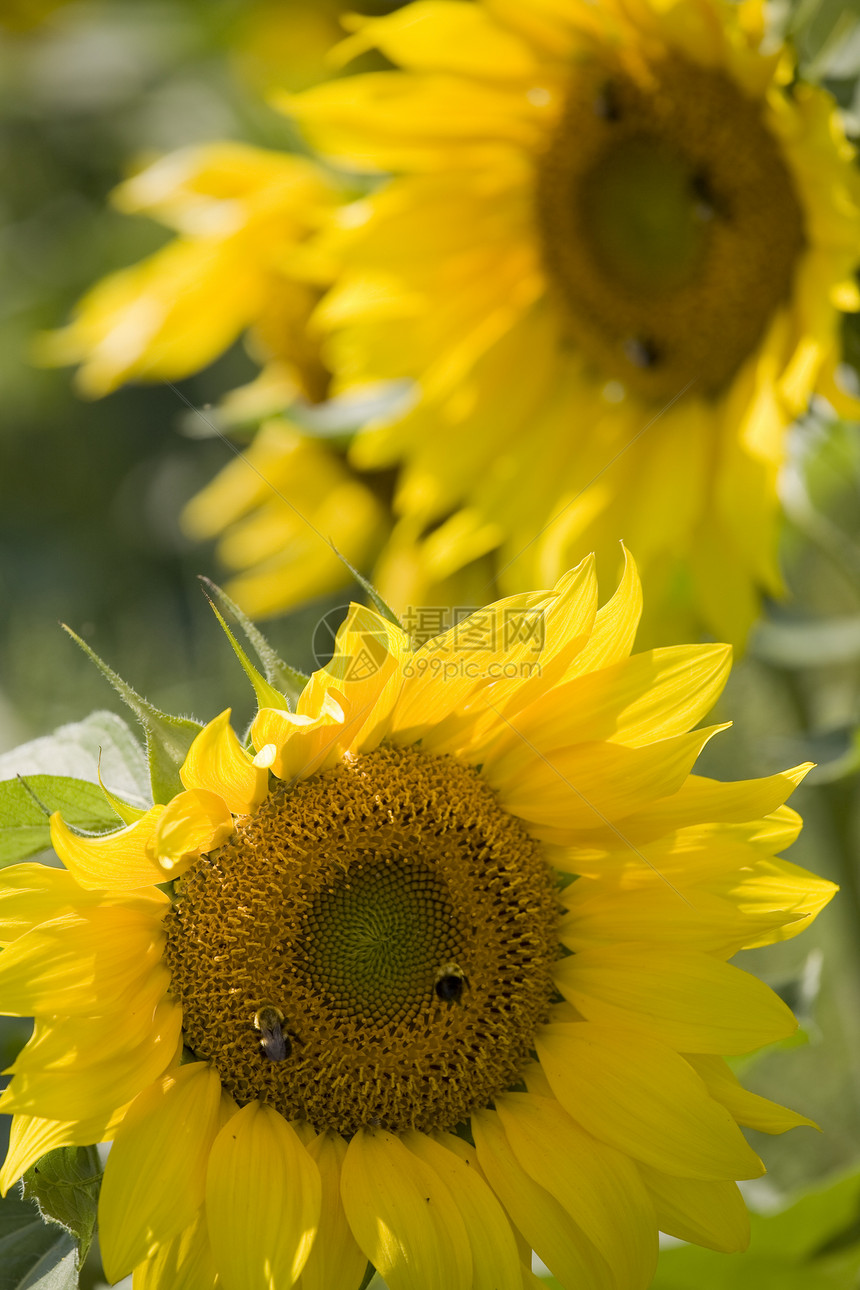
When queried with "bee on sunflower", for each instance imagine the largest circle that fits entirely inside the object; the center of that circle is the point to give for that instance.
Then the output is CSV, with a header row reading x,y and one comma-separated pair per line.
x,y
428,976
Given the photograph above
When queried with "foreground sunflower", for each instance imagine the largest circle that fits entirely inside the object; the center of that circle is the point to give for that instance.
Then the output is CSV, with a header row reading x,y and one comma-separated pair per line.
x,y
614,256
376,1021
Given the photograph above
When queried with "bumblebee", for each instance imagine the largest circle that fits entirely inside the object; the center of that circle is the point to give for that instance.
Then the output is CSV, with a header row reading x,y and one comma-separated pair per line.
x,y
451,981
274,1043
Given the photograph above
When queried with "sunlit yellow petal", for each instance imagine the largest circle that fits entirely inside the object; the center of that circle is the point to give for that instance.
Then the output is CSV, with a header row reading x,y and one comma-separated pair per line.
x,y
593,1182
155,1178
548,1228
495,1261
263,1201
217,763
78,963
685,999
413,1242
195,821
119,860
183,1263
304,743
32,893
32,1137
606,1078
88,1092
335,1259
747,1108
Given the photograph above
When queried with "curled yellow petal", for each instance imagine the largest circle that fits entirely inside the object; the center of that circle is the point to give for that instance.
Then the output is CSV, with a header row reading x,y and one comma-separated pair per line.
x,y
303,742
111,860
218,763
193,823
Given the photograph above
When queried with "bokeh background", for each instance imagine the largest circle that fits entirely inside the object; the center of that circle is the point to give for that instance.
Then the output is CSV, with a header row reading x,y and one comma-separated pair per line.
x,y
90,494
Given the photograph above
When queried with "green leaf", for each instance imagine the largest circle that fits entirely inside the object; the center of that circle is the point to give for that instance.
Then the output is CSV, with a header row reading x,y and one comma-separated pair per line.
x,y
28,801
168,738
287,681
77,749
65,1185
33,1255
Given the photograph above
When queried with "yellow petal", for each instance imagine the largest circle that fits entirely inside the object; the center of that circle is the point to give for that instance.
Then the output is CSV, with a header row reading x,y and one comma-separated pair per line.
x,y
685,999
747,1108
32,893
661,914
711,801
118,861
546,1225
32,1137
87,1093
217,762
69,1044
79,963
366,669
183,1263
586,786
465,659
263,1198
438,35
647,697
403,1216
712,1214
304,743
193,823
155,1179
388,119
644,1100
335,1259
597,1185
495,1259
615,625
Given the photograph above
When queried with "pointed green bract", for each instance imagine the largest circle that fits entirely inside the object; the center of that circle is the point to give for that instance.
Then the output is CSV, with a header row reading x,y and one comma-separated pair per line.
x,y
168,738
367,586
267,695
65,1185
286,681
27,802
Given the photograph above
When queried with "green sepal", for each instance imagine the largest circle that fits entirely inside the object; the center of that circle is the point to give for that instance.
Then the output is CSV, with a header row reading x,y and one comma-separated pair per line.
x,y
369,589
267,695
168,738
27,802
65,1185
287,682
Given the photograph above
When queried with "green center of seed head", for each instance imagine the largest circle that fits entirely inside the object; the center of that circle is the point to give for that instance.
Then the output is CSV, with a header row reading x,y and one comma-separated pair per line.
x,y
646,215
376,941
